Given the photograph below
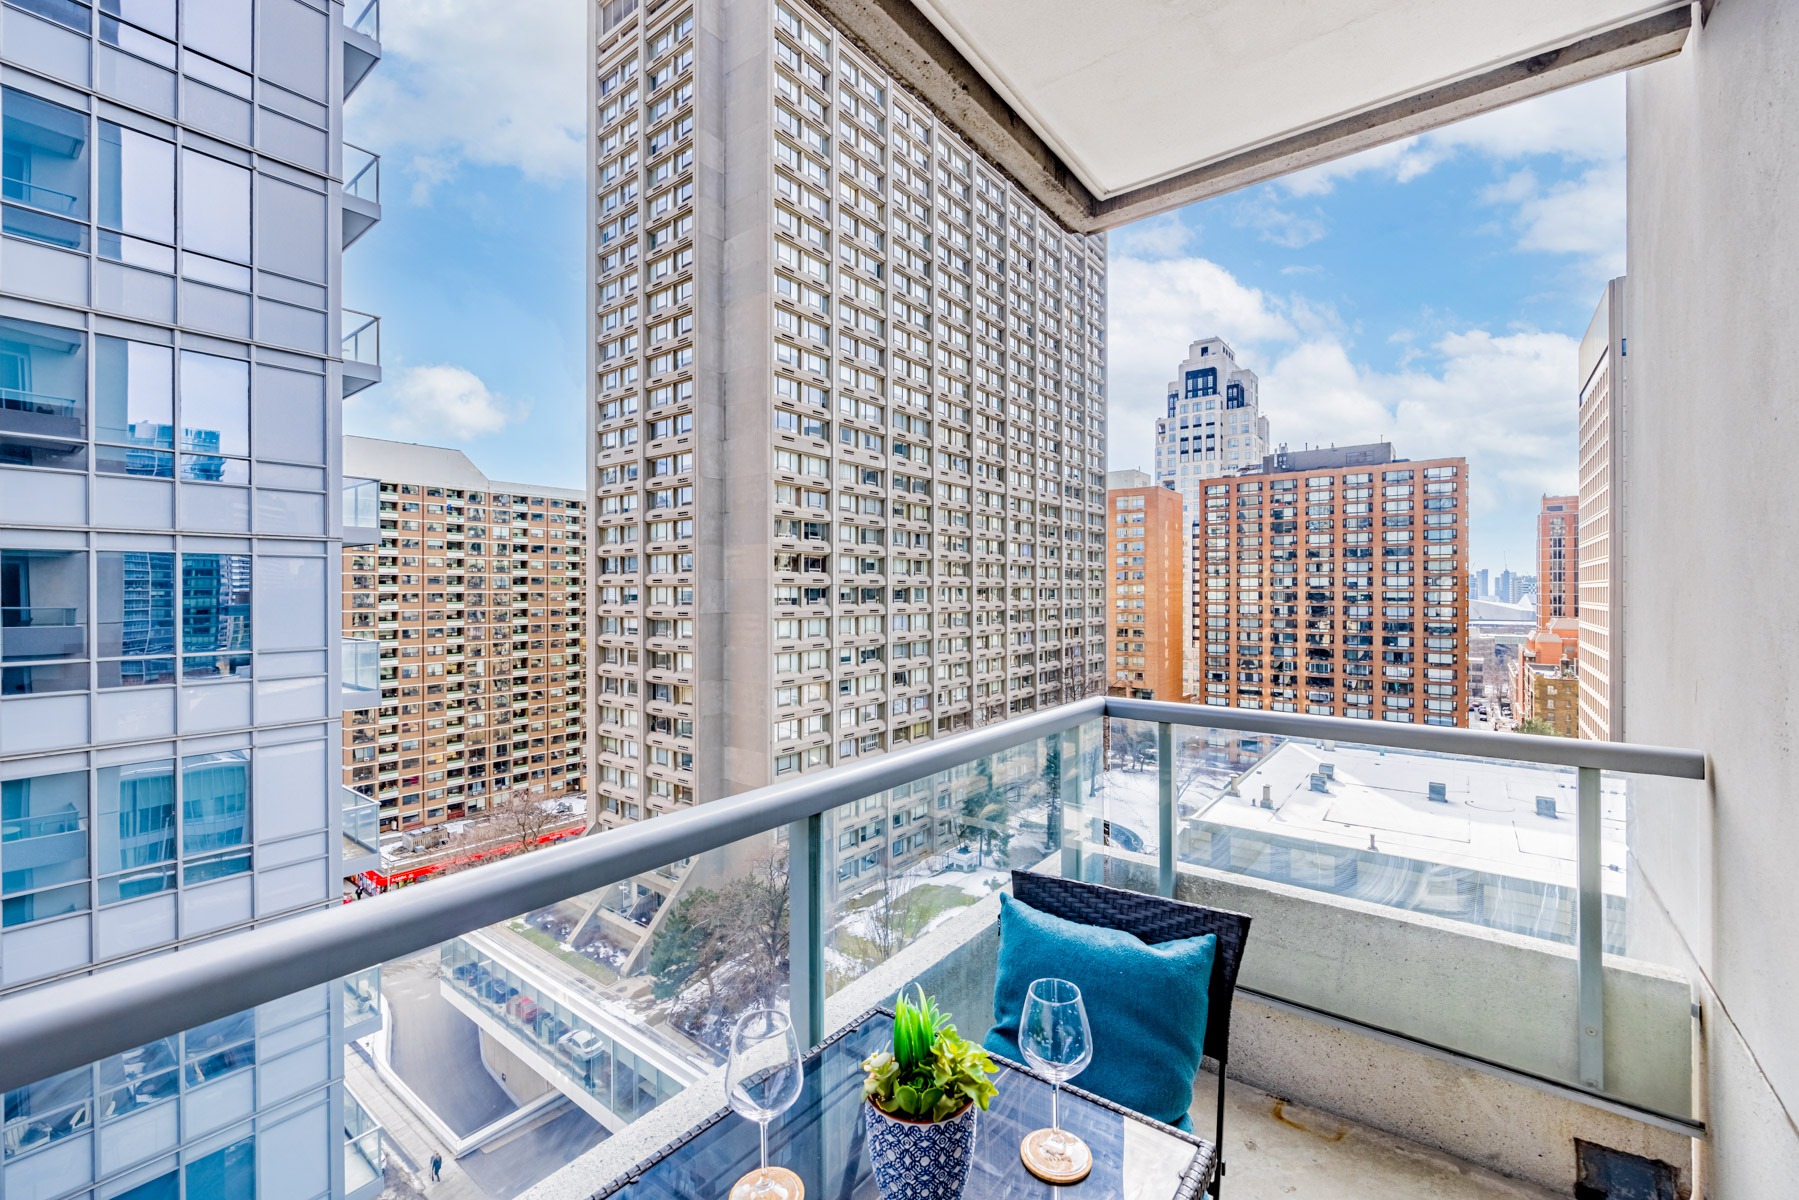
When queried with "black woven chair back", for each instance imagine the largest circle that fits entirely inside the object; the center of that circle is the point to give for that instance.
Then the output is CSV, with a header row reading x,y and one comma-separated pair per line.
x,y
1154,919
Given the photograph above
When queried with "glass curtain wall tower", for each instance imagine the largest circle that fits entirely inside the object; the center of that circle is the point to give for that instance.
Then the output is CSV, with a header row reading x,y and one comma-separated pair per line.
x,y
171,235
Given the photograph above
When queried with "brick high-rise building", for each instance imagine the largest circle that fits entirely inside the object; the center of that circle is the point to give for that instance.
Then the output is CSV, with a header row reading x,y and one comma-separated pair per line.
x,y
1558,560
1602,489
847,476
474,597
1333,582
1145,593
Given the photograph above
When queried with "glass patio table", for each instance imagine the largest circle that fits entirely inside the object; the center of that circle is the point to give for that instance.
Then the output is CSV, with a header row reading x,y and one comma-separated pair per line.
x,y
823,1139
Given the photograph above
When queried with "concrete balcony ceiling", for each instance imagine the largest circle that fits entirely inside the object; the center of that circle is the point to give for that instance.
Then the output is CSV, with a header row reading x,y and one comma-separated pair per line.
x,y
1110,113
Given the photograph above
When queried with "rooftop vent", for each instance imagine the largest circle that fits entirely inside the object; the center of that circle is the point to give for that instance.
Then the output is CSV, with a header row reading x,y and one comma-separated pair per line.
x,y
1546,807
1439,792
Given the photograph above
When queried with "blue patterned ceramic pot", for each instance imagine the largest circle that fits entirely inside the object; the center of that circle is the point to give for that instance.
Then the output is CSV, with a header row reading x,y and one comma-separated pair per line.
x,y
915,1160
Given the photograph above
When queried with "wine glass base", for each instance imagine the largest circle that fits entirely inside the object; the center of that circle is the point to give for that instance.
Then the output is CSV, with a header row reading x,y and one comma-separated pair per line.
x,y
782,1184
1071,1166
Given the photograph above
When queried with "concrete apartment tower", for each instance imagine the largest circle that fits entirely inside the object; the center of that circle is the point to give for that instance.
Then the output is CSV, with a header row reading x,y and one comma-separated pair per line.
x,y
1602,495
1333,582
172,369
1145,590
468,616
847,443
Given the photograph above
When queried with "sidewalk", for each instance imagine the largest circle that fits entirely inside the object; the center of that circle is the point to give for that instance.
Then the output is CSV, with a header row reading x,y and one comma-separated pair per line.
x,y
404,1131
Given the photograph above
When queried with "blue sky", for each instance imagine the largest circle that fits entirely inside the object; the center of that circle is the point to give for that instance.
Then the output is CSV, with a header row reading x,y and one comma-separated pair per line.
x,y
1432,291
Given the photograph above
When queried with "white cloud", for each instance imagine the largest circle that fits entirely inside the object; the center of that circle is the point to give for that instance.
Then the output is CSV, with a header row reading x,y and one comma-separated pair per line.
x,y
1278,225
1500,401
1579,124
1153,310
430,404
1165,236
485,82
1583,217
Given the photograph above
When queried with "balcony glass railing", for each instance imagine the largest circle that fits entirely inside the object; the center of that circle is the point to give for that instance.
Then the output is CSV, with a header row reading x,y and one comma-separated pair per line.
x,y
361,666
364,16
362,824
362,1147
362,338
362,174
1457,889
362,503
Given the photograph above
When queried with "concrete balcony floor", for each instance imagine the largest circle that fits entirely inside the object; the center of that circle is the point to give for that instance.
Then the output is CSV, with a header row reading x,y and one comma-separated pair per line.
x,y
1278,1150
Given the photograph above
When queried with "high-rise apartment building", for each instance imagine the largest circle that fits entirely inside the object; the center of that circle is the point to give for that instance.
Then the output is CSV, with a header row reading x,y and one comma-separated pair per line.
x,y
171,378
1146,592
1558,561
475,596
1602,486
1333,582
848,434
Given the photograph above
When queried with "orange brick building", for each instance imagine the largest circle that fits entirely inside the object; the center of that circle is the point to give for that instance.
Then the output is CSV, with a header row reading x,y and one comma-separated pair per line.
x,y
1146,589
1334,582
1558,559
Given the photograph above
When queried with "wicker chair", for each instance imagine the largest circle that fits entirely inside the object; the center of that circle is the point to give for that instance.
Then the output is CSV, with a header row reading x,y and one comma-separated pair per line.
x,y
1155,919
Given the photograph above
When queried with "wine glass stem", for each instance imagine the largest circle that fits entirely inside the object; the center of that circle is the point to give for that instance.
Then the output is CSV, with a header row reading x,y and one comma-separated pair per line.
x,y
763,1126
1055,1123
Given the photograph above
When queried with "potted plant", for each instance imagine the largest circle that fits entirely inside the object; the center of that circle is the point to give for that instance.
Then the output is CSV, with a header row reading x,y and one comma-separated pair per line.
x,y
922,1096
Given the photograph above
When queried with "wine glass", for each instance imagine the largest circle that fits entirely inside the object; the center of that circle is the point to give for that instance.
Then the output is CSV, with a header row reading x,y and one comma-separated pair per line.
x,y
764,1038
1054,1036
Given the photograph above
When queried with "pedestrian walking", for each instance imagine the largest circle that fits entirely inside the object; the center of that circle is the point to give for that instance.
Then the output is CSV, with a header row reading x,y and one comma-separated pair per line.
x,y
437,1165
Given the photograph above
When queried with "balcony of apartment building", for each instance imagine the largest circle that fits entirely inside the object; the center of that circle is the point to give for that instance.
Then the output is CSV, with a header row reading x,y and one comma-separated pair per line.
x,y
361,42
361,343
1438,995
1479,965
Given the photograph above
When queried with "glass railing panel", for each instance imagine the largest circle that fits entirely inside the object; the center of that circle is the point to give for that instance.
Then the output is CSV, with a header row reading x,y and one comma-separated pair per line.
x,y
362,174
361,338
362,503
1430,895
360,659
362,823
539,1036
364,16
901,863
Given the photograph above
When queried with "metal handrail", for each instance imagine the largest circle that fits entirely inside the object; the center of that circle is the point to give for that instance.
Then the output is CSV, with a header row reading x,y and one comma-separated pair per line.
x,y
1471,743
53,1028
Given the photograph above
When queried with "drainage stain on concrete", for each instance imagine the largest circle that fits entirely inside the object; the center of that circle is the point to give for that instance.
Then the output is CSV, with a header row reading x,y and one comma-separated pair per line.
x,y
1333,1135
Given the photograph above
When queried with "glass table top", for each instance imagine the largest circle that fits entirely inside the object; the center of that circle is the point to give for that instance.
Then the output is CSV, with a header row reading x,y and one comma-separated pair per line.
x,y
823,1139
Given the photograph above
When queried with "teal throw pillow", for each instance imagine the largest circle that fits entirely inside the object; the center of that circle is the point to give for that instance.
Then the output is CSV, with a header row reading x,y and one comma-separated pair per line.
x,y
1146,1005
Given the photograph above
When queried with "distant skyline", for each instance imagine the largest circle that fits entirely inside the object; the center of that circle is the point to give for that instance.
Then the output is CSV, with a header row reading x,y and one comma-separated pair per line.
x,y
1432,292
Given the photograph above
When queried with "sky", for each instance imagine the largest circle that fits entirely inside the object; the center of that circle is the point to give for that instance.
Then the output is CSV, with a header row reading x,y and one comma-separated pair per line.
x,y
1432,292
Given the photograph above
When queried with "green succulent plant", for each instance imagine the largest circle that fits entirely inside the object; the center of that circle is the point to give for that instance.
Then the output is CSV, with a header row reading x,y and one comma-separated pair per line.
x,y
932,1072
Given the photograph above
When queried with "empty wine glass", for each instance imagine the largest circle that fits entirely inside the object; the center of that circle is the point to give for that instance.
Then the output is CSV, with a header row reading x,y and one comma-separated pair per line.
x,y
1055,1039
764,1040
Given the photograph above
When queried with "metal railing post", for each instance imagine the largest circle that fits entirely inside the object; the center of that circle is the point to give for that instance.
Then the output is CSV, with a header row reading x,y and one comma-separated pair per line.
x,y
1165,815
1074,830
1590,934
806,927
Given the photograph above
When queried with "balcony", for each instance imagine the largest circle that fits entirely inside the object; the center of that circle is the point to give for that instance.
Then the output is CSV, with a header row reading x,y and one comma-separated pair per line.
x,y
1443,924
361,42
361,833
361,351
360,660
361,509
361,192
